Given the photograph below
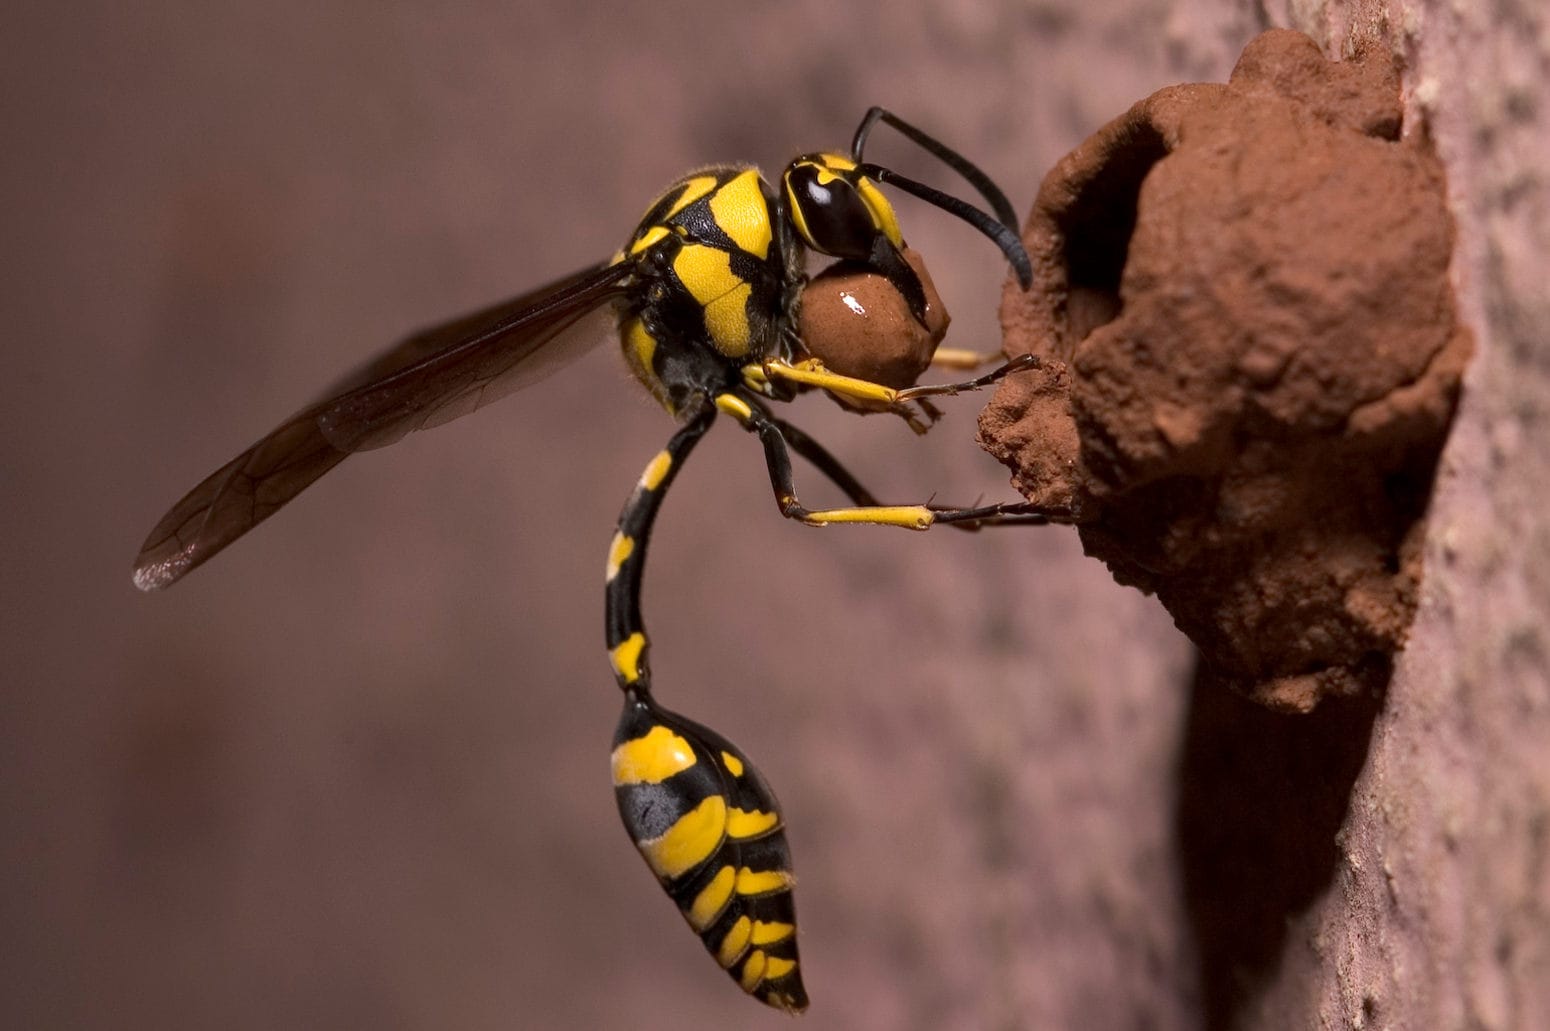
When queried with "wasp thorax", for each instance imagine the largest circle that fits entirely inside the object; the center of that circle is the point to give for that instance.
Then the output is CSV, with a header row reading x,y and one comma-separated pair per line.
x,y
858,323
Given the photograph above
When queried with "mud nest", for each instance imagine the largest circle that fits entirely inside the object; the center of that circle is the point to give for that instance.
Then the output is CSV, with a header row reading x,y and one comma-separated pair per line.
x,y
1254,360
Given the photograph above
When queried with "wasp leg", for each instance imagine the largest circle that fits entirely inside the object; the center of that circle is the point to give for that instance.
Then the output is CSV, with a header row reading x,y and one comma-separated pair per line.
x,y
1022,363
824,461
695,806
963,358
773,435
811,373
1014,514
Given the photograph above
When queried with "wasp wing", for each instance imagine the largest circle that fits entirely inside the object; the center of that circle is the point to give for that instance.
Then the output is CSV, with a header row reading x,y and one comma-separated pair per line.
x,y
452,369
429,378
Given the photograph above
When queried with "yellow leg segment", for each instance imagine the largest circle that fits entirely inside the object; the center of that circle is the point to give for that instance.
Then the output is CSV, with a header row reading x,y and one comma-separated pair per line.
x,y
911,517
773,434
963,358
811,373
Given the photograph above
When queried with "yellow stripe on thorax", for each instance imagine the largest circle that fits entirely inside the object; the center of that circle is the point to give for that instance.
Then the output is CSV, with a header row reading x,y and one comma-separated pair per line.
x,y
693,190
640,347
740,210
646,239
706,272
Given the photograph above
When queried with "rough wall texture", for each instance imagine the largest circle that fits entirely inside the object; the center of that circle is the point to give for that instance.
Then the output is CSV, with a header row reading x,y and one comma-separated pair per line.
x,y
354,775
1439,911
1250,285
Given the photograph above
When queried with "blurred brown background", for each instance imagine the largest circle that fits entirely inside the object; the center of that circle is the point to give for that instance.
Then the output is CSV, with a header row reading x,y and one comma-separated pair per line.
x,y
353,773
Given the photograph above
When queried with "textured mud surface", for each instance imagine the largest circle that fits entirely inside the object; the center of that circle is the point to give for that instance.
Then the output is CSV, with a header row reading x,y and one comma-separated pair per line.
x,y
1248,287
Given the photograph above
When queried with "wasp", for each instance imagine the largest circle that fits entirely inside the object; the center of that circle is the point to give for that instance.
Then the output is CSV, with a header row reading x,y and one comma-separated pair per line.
x,y
706,295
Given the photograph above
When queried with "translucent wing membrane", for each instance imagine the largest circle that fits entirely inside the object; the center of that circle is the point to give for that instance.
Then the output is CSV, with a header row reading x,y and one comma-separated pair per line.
x,y
430,378
467,363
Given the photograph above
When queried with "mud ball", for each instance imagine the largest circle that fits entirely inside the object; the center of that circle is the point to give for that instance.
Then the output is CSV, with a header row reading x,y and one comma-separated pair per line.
x,y
858,324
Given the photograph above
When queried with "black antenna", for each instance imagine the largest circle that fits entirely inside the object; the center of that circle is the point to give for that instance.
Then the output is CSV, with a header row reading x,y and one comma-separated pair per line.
x,y
1001,229
948,156
1002,235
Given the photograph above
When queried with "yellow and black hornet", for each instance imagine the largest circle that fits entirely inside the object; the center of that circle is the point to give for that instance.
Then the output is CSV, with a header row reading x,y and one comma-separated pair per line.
x,y
706,294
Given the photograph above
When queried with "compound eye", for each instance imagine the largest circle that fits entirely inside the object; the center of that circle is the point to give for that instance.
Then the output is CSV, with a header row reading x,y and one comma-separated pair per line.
x,y
829,213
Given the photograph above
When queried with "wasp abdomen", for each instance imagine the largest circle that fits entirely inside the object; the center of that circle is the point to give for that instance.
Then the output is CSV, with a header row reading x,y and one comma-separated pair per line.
x,y
710,829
